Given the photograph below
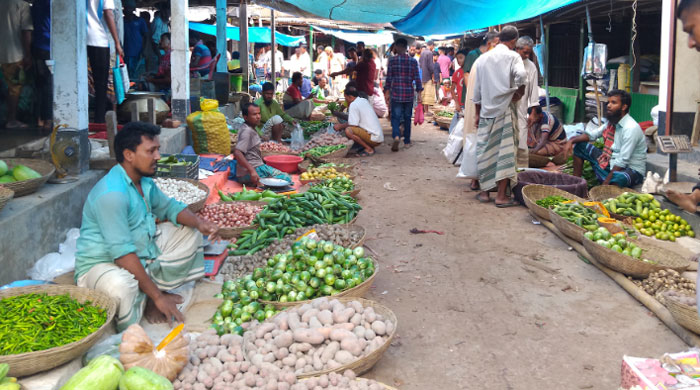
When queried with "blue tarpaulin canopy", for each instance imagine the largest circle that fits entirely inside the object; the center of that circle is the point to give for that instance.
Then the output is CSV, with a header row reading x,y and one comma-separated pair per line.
x,y
369,38
255,34
427,17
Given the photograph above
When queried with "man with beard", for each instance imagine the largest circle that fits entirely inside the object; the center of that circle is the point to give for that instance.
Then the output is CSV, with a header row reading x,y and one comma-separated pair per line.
x,y
121,250
623,158
272,116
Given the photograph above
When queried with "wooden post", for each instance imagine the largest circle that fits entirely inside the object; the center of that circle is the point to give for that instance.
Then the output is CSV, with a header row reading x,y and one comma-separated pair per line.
x,y
243,43
134,112
151,104
696,126
273,57
311,47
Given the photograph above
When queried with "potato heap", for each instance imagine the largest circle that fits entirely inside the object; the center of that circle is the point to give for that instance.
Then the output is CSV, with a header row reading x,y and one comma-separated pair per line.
x,y
323,334
335,381
217,363
665,280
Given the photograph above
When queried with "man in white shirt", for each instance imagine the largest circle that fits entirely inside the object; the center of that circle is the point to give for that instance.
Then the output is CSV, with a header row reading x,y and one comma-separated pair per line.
x,y
279,59
15,53
100,18
500,81
363,126
300,61
531,98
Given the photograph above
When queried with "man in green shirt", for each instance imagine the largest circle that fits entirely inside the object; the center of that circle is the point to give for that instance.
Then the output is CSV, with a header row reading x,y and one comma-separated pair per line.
x,y
121,250
272,116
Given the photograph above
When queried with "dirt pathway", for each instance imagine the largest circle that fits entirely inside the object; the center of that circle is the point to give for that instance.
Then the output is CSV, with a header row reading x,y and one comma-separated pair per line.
x,y
496,302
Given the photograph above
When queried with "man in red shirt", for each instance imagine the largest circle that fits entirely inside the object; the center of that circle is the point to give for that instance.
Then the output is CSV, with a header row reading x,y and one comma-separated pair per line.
x,y
294,104
458,82
366,72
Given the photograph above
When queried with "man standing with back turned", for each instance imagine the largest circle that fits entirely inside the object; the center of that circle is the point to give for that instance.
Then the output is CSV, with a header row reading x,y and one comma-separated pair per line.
x,y
500,81
402,74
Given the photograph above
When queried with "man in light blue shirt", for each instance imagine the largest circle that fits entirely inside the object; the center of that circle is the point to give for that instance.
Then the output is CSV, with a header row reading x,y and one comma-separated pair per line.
x,y
624,156
121,250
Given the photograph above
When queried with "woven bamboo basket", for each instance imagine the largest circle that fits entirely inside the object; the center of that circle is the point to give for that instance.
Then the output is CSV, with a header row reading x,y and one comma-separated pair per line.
x,y
340,153
443,121
354,192
362,364
534,192
604,192
26,187
29,363
632,267
198,205
537,161
686,316
356,292
569,229
384,385
304,165
351,177
5,195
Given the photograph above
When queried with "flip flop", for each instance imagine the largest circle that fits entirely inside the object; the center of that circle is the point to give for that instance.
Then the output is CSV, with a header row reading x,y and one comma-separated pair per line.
x,y
511,203
364,154
477,188
481,200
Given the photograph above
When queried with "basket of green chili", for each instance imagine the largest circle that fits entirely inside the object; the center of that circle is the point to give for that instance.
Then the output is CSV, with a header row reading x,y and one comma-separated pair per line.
x,y
45,326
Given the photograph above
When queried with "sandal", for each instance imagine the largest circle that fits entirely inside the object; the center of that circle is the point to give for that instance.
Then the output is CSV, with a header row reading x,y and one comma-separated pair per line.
x,y
481,200
364,153
510,203
477,188
395,145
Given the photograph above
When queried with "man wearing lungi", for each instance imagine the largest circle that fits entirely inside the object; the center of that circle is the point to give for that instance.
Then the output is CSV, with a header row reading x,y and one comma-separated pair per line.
x,y
122,251
500,81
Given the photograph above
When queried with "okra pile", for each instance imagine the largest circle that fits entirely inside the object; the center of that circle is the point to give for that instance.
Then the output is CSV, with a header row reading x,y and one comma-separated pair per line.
x,y
282,216
579,215
35,322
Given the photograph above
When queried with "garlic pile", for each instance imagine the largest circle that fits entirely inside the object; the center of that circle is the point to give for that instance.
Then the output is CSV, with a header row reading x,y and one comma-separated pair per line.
x,y
180,190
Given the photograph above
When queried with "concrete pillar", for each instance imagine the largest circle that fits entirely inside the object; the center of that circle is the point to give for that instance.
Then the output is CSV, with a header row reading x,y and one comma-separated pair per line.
x,y
69,52
221,35
273,41
243,42
179,59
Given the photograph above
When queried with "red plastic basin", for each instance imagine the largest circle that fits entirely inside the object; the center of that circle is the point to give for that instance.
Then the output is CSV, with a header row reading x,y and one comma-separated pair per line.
x,y
284,162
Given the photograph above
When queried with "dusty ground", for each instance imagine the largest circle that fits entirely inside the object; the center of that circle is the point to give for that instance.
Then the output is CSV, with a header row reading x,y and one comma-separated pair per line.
x,y
496,302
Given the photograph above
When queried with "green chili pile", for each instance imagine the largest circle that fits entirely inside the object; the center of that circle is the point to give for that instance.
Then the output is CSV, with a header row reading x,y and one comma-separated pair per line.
x,y
551,201
35,322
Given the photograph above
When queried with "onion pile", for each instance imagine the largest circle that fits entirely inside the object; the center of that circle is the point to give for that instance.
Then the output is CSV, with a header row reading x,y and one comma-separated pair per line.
x,y
271,146
230,215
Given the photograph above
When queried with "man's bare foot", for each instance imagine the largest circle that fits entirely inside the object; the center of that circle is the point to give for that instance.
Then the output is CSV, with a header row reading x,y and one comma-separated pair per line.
x,y
683,201
155,315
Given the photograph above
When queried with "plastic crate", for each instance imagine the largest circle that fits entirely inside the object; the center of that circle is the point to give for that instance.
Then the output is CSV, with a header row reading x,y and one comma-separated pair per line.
x,y
180,171
212,264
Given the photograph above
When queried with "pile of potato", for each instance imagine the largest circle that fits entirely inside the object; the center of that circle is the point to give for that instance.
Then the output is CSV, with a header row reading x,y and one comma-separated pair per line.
x,y
217,363
334,381
323,334
664,280
238,266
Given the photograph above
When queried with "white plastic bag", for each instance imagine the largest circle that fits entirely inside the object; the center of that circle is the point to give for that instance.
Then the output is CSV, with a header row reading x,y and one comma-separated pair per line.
x,y
297,137
453,149
57,263
468,169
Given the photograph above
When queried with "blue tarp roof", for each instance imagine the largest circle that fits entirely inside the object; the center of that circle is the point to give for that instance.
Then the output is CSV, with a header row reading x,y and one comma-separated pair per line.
x,y
255,34
451,16
427,17
369,38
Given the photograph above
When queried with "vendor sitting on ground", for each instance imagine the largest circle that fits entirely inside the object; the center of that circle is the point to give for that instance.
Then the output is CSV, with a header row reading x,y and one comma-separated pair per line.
x,y
445,93
545,134
251,168
363,125
294,104
121,250
623,159
161,80
320,92
272,116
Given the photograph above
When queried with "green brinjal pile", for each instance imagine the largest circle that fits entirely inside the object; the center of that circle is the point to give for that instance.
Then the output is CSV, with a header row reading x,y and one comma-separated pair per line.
x,y
35,322
578,215
309,270
650,220
282,216
339,184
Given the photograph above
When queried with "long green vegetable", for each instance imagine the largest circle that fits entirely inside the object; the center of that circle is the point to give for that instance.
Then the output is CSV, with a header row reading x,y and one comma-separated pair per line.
x,y
282,216
551,201
35,322
322,150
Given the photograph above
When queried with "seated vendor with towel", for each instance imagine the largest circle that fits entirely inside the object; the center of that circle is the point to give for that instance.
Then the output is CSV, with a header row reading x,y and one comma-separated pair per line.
x,y
272,117
545,134
294,103
250,167
121,250
623,159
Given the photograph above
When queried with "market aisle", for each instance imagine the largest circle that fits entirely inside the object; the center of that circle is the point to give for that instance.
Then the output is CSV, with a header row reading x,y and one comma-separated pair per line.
x,y
496,302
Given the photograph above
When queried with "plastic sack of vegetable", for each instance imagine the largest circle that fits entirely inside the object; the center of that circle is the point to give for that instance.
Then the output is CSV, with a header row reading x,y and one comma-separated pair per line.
x,y
297,137
209,130
469,169
453,149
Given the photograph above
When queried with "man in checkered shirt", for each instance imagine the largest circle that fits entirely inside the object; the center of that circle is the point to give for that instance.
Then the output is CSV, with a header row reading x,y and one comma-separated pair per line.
x,y
401,79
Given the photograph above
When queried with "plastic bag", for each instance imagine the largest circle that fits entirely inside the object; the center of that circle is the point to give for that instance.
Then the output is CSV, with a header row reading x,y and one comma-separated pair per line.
x,y
121,84
594,59
330,129
453,149
57,263
469,169
209,129
297,137
418,115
